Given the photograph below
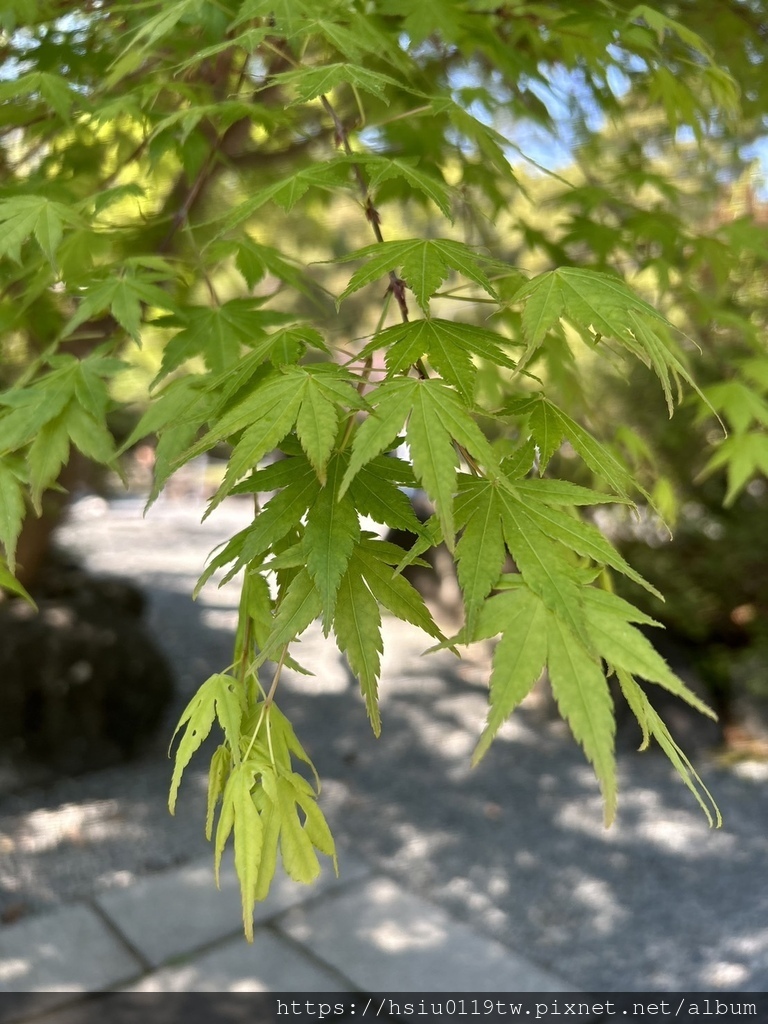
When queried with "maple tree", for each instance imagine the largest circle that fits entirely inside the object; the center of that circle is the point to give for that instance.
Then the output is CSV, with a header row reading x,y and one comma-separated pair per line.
x,y
162,163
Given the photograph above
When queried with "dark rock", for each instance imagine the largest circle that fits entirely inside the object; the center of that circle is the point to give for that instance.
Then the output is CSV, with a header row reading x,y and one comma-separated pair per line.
x,y
82,683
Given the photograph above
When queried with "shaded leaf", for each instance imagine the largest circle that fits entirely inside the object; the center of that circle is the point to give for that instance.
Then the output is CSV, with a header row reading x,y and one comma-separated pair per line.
x,y
583,699
518,660
357,625
332,530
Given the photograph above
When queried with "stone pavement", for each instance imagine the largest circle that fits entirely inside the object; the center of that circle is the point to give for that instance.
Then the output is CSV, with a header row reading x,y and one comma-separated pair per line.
x,y
174,932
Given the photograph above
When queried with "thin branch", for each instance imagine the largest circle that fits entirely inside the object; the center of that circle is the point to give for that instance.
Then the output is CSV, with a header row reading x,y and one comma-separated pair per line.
x,y
128,160
193,192
396,284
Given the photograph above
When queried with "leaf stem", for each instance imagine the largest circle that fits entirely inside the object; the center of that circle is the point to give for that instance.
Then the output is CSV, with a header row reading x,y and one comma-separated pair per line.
x,y
276,678
266,706
245,650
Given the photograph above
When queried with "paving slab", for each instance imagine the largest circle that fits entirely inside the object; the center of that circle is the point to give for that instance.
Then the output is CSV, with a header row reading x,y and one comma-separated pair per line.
x,y
68,950
386,940
270,964
168,915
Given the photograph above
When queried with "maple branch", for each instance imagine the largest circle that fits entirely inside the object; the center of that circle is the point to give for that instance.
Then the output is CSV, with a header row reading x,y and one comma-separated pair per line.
x,y
396,284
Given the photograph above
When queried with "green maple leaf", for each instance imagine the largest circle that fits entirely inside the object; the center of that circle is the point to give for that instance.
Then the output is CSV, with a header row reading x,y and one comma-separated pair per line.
x,y
217,333
281,473
549,426
543,563
333,528
436,419
327,389
589,298
743,456
239,813
125,297
491,146
218,773
481,551
381,169
30,408
624,647
25,216
285,744
392,401
282,348
424,263
435,461
652,725
47,454
562,492
740,404
533,636
359,35
299,606
661,24
255,618
270,818
9,582
288,191
49,414
178,398
424,19
518,659
89,434
11,509
315,825
370,580
449,347
269,411
54,89
296,847
376,560
218,697
159,26
281,513
309,83
375,496
248,829
583,538
175,416
288,18
90,387
264,418
316,427
600,305
583,698
299,488
357,626
521,460
255,261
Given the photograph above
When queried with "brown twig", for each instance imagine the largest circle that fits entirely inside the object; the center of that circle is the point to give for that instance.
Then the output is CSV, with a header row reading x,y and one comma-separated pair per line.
x,y
396,284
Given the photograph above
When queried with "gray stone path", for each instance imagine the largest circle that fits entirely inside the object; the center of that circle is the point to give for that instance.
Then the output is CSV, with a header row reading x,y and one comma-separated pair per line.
x,y
174,932
501,877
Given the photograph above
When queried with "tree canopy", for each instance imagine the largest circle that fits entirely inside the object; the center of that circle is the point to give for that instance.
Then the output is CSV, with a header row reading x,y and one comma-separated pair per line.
x,y
314,233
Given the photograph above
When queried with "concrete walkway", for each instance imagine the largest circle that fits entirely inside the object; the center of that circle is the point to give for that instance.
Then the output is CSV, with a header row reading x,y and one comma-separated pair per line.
x,y
174,932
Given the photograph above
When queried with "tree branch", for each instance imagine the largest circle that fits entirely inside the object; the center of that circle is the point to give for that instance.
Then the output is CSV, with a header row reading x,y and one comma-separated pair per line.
x,y
396,284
